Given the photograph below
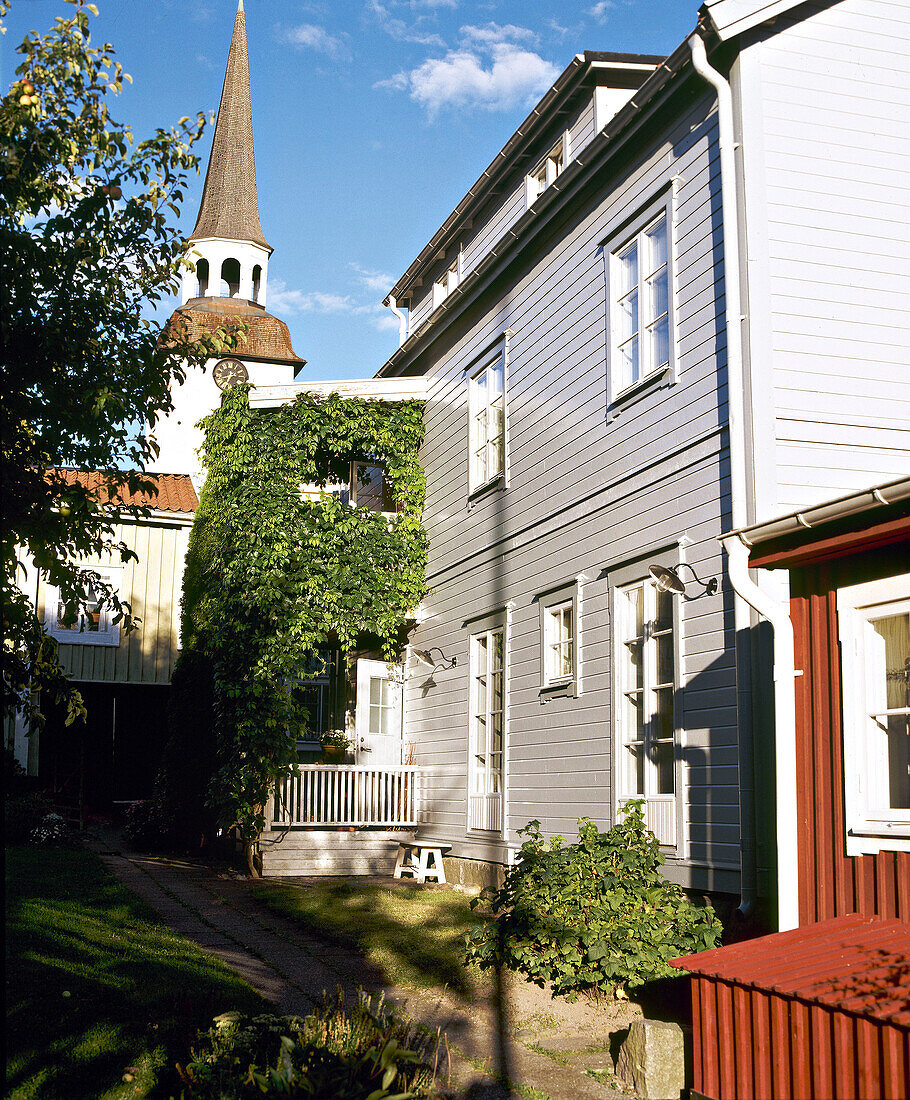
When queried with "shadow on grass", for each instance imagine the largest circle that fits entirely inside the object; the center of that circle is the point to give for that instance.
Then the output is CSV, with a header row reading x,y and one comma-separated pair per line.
x,y
412,935
96,988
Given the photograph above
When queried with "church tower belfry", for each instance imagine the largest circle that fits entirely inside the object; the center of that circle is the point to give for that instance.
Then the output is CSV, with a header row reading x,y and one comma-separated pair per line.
x,y
230,252
227,282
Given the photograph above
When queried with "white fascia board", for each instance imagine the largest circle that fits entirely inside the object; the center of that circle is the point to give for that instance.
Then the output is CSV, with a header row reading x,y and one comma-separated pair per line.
x,y
732,17
369,389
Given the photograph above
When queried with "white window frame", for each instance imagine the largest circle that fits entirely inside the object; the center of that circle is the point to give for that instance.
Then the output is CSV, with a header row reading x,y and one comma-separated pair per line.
x,y
871,825
108,632
618,296
547,170
447,282
486,783
484,403
553,608
662,810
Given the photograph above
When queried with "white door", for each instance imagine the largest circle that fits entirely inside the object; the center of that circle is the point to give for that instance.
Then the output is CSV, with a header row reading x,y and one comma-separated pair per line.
x,y
378,714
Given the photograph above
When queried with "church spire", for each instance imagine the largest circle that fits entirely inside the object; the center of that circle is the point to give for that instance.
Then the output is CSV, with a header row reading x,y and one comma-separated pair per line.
x,y
230,209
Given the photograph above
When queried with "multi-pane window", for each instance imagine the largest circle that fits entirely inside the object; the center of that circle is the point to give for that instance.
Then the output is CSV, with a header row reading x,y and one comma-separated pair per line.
x,y
383,705
85,620
641,305
370,487
546,172
645,663
487,718
874,629
444,286
487,426
559,642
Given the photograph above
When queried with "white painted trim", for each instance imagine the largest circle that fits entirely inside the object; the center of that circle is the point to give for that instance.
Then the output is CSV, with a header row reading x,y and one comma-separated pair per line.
x,y
367,389
110,636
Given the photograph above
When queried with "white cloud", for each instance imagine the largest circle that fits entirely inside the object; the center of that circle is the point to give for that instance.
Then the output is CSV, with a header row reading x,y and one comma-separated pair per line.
x,y
310,36
492,34
600,9
282,300
399,30
376,281
515,77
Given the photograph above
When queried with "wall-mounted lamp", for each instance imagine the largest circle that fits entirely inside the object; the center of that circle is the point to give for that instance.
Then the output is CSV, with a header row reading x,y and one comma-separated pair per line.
x,y
669,580
422,656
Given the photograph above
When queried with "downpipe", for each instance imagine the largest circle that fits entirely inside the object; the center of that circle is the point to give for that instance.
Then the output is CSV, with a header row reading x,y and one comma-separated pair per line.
x,y
733,319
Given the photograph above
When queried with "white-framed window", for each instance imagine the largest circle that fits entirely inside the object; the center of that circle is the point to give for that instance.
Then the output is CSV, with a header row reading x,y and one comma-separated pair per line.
x,y
449,280
370,488
874,634
487,730
559,642
88,621
641,302
645,659
487,426
545,173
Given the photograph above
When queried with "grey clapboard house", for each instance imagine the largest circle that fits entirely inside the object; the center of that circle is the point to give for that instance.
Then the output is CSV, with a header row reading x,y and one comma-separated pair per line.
x,y
572,319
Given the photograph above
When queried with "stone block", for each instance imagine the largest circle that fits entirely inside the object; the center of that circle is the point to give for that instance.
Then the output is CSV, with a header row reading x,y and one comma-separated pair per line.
x,y
652,1060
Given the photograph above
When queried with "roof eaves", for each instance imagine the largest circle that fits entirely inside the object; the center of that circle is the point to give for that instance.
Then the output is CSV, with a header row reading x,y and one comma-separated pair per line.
x,y
621,121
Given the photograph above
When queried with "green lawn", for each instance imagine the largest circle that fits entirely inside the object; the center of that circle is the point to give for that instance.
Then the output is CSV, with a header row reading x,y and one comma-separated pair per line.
x,y
96,989
413,935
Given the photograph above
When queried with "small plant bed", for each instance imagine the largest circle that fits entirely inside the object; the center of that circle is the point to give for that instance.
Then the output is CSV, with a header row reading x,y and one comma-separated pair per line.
x,y
347,1052
101,998
413,935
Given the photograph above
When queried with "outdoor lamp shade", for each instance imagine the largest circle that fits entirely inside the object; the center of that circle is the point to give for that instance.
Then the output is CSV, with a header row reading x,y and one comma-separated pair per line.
x,y
667,580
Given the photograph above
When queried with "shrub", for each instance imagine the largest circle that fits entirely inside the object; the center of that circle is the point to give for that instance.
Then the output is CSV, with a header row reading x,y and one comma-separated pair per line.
x,y
147,826
364,1053
24,807
52,830
594,915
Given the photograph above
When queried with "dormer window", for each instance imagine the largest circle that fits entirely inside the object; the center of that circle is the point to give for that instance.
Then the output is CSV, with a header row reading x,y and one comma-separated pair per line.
x,y
443,287
546,172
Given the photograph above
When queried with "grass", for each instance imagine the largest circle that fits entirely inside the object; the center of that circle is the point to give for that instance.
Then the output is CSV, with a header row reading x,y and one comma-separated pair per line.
x,y
414,936
101,998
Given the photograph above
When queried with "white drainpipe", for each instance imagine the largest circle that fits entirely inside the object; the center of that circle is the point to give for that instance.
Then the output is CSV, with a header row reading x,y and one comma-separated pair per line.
x,y
778,614
737,450
402,320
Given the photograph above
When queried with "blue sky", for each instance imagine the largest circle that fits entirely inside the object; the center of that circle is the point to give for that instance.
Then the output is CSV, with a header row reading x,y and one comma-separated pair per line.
x,y
371,118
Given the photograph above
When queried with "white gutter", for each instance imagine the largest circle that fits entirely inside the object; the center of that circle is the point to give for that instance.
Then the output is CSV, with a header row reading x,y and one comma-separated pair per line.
x,y
733,320
778,614
402,319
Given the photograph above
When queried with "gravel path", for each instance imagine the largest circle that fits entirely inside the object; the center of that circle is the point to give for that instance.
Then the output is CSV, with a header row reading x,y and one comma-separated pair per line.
x,y
216,910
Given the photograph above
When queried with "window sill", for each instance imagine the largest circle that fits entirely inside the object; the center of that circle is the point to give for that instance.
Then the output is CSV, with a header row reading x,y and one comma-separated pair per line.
x,y
488,487
871,839
559,689
657,380
84,639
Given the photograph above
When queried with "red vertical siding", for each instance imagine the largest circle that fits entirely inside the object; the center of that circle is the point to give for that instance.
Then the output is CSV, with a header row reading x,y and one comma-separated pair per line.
x,y
831,882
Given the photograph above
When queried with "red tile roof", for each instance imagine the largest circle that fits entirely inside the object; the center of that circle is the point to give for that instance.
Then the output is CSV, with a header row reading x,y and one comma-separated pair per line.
x,y
855,964
172,492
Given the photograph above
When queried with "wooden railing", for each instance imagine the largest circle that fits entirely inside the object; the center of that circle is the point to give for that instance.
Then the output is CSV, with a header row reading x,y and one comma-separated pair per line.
x,y
327,795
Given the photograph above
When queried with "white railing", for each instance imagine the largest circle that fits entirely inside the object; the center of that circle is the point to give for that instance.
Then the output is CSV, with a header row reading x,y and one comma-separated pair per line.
x,y
322,795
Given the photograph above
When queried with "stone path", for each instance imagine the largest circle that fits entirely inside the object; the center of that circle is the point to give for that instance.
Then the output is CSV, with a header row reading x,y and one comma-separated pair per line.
x,y
216,910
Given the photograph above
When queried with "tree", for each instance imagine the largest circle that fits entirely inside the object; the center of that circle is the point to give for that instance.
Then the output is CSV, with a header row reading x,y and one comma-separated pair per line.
x,y
87,247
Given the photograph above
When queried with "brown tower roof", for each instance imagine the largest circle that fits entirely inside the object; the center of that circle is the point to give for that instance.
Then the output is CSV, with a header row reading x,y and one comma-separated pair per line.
x,y
265,338
229,206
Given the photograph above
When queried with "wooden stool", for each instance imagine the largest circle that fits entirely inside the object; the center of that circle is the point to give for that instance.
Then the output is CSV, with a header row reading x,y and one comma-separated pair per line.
x,y
414,859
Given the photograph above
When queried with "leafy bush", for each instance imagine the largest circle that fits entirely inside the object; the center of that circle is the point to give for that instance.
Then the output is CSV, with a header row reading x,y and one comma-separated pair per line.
x,y
594,915
357,1054
147,827
24,806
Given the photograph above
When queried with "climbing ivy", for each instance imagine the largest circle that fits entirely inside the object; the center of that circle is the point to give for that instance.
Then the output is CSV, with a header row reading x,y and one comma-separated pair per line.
x,y
273,573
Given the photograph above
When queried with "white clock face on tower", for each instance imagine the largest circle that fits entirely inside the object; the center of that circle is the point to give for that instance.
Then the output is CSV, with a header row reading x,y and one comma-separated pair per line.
x,y
229,372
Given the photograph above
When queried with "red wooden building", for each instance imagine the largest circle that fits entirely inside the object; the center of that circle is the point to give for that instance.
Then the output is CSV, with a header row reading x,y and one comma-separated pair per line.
x,y
822,1011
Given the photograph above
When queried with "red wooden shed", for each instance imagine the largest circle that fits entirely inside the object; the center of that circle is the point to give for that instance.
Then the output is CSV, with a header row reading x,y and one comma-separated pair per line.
x,y
822,1011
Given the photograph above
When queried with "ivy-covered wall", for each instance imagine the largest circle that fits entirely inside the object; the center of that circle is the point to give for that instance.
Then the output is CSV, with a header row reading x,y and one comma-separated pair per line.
x,y
272,575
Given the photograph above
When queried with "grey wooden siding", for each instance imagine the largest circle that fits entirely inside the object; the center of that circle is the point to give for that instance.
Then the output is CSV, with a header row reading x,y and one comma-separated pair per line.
x,y
152,585
835,89
586,494
501,213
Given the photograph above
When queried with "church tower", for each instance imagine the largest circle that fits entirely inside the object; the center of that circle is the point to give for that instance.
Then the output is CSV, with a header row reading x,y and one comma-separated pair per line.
x,y
228,279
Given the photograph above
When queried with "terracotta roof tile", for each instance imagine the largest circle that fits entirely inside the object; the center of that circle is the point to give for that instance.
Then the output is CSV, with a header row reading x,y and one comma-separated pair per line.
x,y
172,493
